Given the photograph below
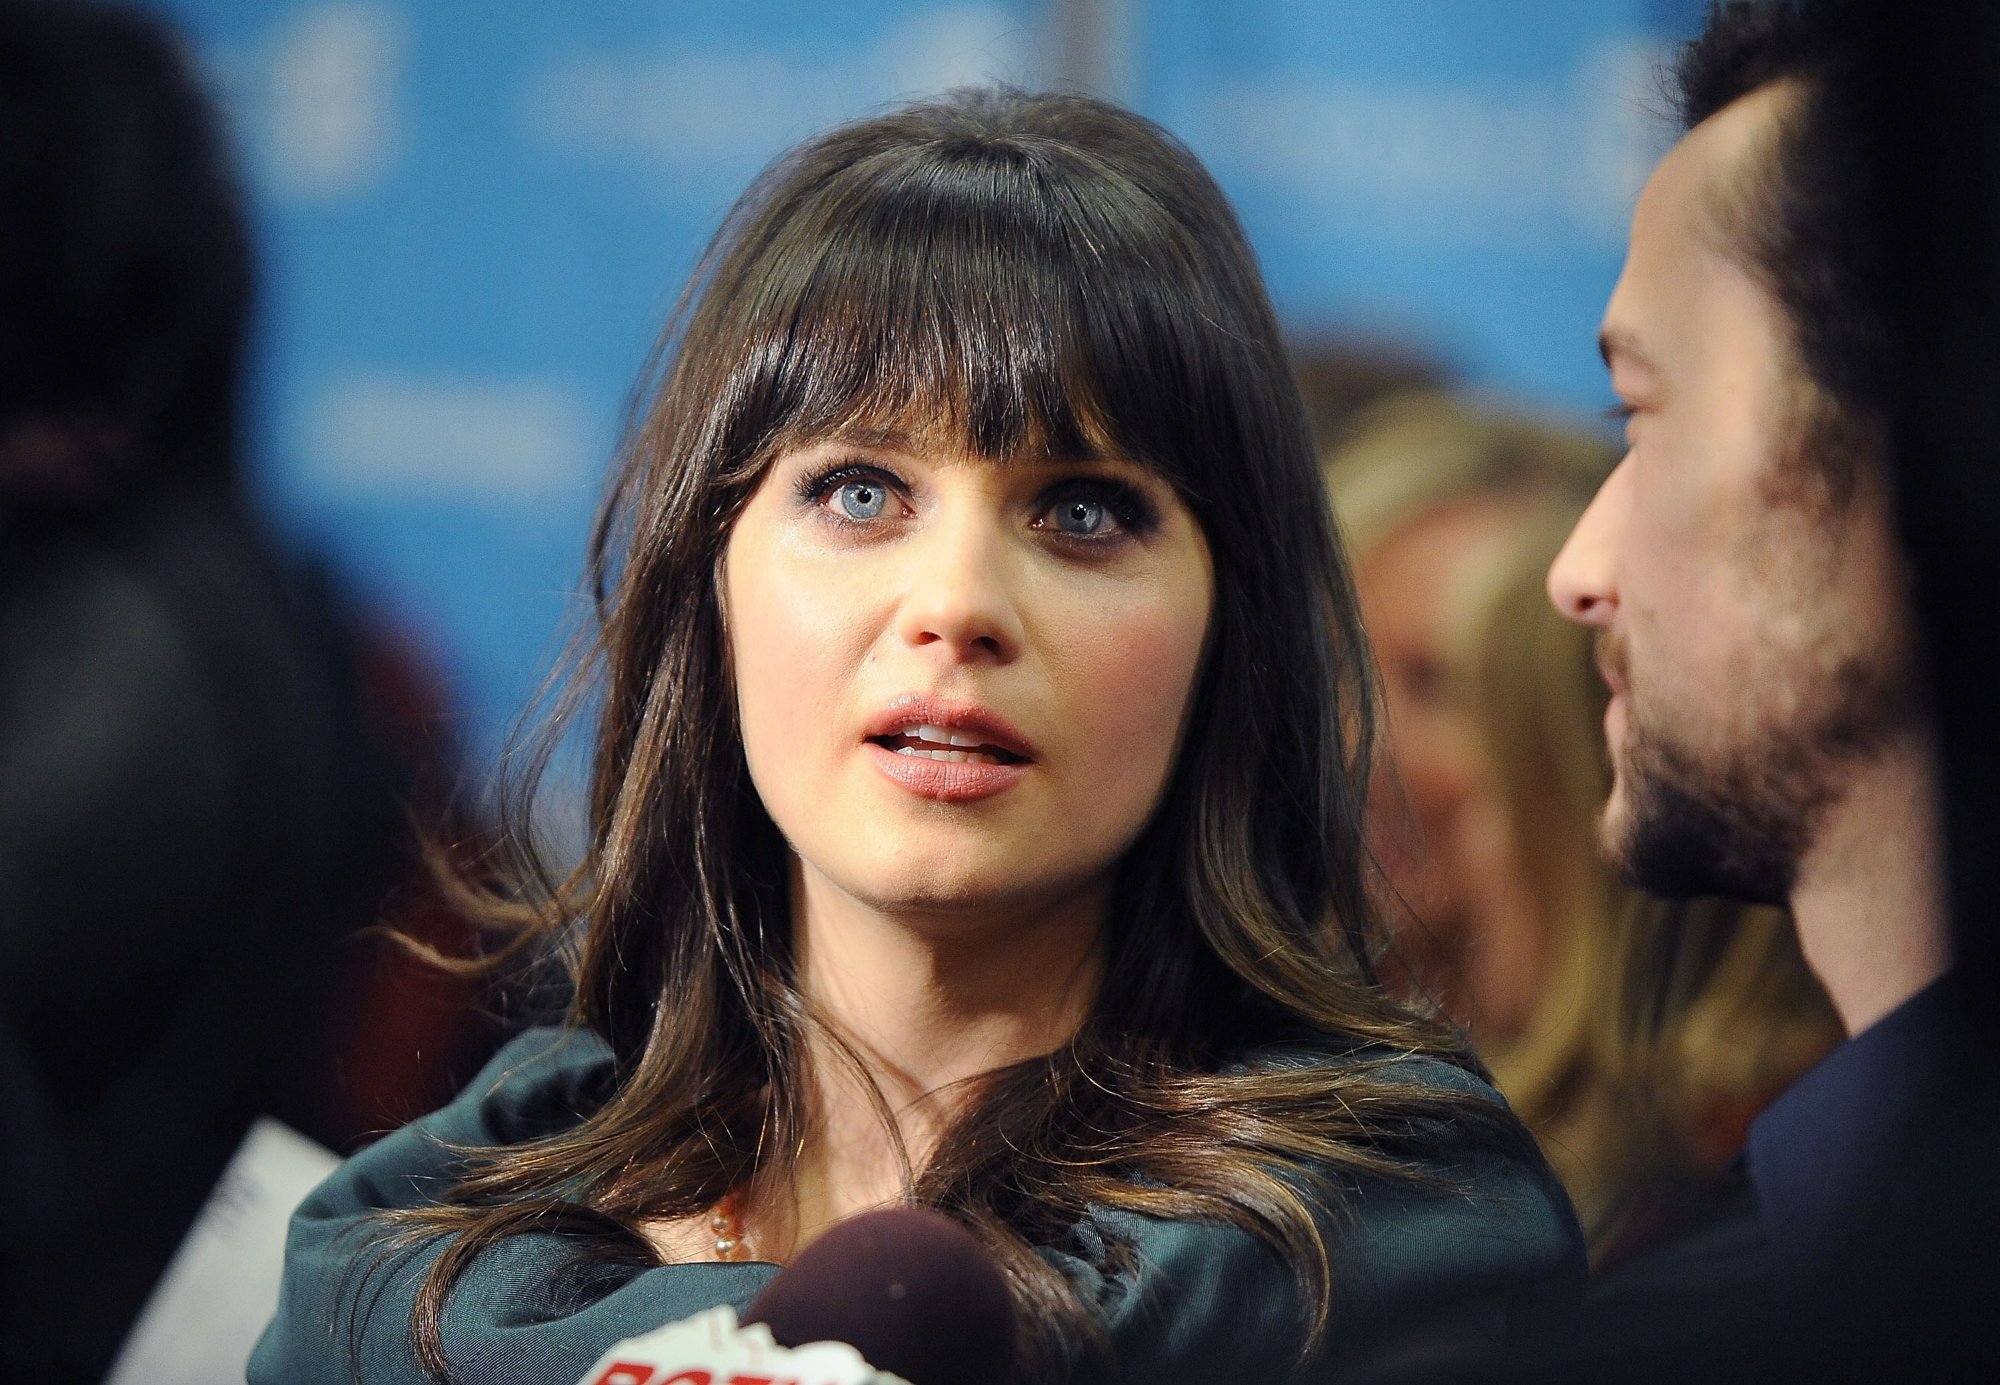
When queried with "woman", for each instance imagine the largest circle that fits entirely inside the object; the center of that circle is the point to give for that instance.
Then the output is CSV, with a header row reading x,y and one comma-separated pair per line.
x,y
1635,1038
1435,498
976,823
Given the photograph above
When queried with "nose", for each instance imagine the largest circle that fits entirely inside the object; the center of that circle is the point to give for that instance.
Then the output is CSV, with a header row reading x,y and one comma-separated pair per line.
x,y
1583,578
959,595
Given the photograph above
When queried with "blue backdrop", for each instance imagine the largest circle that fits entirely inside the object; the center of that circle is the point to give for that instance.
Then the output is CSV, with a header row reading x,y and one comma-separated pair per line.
x,y
475,216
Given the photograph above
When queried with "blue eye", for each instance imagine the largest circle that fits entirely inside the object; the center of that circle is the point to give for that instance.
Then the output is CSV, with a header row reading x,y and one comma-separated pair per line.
x,y
1084,518
1095,509
862,499
850,493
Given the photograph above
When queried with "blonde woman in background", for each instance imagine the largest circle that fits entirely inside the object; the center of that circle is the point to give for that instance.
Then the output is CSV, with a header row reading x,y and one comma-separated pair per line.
x,y
1636,1038
1434,500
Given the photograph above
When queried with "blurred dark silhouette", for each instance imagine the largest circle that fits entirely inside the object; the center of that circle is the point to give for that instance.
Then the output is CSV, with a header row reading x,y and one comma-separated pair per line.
x,y
1939,215
201,766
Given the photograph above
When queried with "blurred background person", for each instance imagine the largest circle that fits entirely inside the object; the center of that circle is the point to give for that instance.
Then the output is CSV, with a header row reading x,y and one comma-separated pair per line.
x,y
1635,1037
199,760
1435,500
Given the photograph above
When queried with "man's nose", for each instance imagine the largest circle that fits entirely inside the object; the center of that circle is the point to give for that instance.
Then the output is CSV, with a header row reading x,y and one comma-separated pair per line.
x,y
960,593
1582,580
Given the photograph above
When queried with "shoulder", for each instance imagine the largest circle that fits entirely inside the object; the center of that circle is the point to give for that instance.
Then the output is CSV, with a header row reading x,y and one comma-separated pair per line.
x,y
1475,1244
1370,1062
523,1313
541,1081
1480,1241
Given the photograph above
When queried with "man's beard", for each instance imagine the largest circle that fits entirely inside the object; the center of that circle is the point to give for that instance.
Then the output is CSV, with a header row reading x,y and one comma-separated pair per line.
x,y
1736,828
1736,820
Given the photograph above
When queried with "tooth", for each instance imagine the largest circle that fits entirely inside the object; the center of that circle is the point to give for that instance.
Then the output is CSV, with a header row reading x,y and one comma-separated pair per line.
x,y
954,757
959,738
935,734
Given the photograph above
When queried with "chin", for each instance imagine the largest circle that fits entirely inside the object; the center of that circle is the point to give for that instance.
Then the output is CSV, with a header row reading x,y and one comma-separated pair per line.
x,y
925,883
968,888
932,894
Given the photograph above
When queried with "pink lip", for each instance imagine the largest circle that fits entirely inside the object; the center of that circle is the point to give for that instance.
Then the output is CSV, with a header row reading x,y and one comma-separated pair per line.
x,y
915,709
941,780
938,779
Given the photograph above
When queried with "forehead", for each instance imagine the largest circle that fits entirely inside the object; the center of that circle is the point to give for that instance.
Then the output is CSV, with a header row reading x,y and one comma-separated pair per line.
x,y
1687,291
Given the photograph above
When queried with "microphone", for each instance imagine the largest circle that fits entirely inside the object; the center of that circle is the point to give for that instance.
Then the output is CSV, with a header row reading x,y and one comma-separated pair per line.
x,y
900,1295
913,1291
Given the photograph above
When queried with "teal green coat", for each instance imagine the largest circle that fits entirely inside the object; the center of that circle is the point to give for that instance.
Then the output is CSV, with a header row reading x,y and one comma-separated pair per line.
x,y
1493,1254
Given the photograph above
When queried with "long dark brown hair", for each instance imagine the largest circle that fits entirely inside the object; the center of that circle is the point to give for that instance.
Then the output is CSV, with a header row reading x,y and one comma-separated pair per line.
x,y
1039,275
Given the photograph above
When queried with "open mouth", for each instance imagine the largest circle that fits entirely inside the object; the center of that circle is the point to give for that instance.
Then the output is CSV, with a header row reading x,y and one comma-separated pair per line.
x,y
948,746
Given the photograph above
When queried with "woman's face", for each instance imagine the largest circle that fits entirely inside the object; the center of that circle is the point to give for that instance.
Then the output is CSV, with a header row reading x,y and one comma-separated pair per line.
x,y
1457,869
962,683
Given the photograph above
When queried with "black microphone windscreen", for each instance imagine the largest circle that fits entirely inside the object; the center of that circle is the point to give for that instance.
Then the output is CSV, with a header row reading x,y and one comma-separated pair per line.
x,y
913,1291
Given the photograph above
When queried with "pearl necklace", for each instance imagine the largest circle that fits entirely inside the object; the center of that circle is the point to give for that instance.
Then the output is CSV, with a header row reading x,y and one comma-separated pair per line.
x,y
730,1242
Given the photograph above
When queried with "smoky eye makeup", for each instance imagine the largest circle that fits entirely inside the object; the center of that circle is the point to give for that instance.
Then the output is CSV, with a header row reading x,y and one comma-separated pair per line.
x,y
1081,508
1097,508
815,482
873,486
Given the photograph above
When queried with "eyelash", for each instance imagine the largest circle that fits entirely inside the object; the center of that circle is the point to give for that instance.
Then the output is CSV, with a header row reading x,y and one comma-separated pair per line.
x,y
1135,514
815,486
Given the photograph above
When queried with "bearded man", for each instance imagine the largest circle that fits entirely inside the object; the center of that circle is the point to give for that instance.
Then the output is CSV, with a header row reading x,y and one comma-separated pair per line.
x,y
1769,729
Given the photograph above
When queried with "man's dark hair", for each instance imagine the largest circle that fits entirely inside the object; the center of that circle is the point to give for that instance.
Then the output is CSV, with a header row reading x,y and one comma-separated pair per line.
x,y
1808,223
125,263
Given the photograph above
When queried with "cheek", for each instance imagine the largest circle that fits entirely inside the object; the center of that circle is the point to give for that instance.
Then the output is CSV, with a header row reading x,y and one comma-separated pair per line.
x,y
1721,628
796,632
1682,568
1125,680
1437,757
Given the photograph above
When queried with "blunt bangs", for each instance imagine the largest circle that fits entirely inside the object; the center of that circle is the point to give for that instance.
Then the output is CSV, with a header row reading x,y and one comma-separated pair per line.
x,y
995,296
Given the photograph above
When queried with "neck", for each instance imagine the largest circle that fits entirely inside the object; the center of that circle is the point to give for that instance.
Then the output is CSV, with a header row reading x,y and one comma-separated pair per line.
x,y
1870,902
924,1004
